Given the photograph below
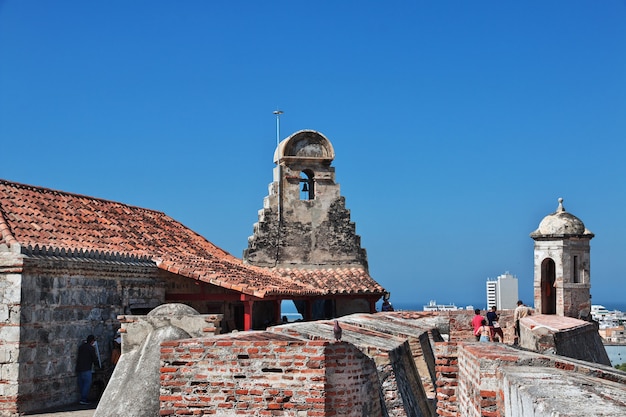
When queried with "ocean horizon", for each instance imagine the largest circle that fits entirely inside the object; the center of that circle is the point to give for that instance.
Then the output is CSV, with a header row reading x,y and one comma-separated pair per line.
x,y
288,308
415,306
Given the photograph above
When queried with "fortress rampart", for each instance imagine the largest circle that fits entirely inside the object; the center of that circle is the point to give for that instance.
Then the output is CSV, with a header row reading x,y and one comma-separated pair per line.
x,y
387,364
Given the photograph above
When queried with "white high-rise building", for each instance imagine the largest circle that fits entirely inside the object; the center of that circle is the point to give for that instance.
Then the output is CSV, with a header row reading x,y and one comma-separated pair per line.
x,y
502,292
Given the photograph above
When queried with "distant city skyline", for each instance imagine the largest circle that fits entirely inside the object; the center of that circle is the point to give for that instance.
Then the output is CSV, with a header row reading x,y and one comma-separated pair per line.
x,y
456,125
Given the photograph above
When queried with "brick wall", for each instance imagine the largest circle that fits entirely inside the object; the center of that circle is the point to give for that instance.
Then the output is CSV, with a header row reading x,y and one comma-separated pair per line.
x,y
447,371
394,346
496,380
264,373
478,381
351,382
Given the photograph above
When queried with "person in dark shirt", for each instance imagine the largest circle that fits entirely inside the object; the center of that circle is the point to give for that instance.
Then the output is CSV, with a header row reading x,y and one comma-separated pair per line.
x,y
386,306
87,357
492,321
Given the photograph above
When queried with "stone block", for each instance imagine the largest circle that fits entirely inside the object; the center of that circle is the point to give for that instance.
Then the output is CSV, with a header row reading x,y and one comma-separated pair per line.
x,y
10,334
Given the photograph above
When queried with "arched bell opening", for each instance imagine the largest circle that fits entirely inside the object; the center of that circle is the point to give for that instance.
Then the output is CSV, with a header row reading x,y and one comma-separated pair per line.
x,y
548,292
307,183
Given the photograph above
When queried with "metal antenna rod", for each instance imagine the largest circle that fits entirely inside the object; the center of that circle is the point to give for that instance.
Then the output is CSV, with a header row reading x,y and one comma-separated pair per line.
x,y
280,196
278,113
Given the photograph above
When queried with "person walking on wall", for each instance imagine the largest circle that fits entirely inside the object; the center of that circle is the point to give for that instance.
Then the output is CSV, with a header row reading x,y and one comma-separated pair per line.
x,y
494,326
87,357
520,312
476,323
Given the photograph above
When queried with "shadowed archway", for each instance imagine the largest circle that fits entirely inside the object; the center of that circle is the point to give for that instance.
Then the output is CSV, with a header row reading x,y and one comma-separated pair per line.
x,y
548,292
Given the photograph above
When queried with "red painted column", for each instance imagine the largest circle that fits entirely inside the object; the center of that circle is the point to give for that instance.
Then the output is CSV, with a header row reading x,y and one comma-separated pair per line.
x,y
247,314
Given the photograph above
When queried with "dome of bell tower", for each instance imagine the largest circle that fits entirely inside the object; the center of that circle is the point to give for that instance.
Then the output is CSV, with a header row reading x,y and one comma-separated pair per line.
x,y
305,145
561,224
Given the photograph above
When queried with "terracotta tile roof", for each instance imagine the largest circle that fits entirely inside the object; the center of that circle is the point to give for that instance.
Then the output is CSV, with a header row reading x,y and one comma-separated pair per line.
x,y
38,218
336,280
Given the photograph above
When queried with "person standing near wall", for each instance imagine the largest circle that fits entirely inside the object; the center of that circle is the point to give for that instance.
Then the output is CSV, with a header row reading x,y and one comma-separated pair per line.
x,y
386,306
492,322
484,332
116,349
87,357
520,312
476,323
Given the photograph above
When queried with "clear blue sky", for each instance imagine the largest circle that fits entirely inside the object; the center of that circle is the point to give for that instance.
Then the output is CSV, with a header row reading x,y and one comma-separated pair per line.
x,y
456,124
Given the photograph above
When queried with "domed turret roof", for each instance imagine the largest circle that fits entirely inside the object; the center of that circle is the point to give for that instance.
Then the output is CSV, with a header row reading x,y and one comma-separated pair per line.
x,y
561,224
305,144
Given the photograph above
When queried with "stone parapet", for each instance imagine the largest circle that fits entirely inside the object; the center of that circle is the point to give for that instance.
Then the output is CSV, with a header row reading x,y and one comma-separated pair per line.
x,y
564,336
500,380
395,346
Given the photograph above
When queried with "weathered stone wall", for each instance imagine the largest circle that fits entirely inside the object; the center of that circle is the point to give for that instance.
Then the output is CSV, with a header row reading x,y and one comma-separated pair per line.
x,y
264,373
10,305
310,232
582,343
563,336
572,287
316,230
63,300
498,380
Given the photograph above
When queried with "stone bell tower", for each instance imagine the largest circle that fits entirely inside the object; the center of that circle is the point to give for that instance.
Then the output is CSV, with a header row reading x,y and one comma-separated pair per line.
x,y
304,222
562,264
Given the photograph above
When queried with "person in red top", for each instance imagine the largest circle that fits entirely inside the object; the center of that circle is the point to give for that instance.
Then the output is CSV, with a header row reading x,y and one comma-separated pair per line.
x,y
476,323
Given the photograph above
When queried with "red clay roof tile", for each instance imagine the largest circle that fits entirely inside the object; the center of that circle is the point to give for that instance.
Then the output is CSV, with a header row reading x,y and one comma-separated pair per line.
x,y
336,281
45,219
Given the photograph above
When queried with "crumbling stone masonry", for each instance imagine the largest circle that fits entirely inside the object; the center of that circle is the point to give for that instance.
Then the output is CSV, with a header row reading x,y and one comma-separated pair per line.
x,y
304,231
293,231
